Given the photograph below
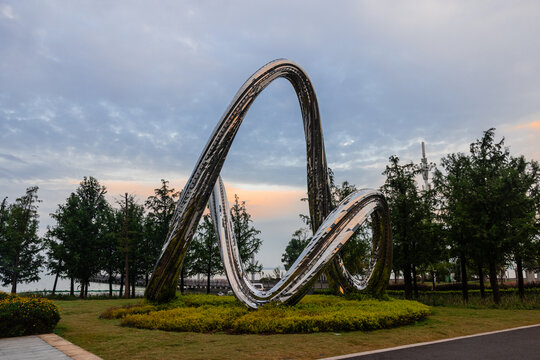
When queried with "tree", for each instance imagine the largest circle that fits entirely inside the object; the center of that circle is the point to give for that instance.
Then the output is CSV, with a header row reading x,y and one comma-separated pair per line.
x,y
62,240
4,215
406,216
130,220
161,207
55,258
20,246
523,208
205,251
487,202
356,253
294,248
453,189
111,250
246,236
81,231
431,250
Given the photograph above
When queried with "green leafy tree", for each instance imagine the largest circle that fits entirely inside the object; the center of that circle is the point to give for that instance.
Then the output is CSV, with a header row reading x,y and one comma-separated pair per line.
x,y
294,248
523,208
20,245
487,203
130,220
246,235
431,253
62,240
406,213
204,249
4,215
111,250
356,253
453,188
82,232
161,207
54,261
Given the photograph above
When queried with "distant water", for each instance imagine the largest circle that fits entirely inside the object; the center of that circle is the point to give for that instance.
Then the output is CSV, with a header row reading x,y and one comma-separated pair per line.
x,y
47,282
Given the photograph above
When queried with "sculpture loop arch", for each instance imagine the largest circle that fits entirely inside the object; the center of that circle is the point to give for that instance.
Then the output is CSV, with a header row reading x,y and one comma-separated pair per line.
x,y
332,226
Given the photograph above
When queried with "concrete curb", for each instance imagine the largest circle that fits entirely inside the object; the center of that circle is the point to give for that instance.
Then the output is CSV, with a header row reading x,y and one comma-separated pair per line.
x,y
73,351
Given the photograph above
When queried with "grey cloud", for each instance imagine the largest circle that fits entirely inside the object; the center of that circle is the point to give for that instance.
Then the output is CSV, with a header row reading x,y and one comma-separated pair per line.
x,y
128,89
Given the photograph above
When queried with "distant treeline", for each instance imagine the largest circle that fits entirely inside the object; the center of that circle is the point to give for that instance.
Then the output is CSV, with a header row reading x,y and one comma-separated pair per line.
x,y
92,236
480,214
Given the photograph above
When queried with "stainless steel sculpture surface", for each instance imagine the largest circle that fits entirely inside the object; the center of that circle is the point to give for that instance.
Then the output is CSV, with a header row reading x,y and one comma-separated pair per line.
x,y
332,226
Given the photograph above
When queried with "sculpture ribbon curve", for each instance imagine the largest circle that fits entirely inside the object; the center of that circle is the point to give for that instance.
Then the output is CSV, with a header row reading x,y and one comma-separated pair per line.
x,y
332,228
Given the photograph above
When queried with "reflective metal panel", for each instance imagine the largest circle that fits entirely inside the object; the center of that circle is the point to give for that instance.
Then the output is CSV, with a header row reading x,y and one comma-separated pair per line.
x,y
332,228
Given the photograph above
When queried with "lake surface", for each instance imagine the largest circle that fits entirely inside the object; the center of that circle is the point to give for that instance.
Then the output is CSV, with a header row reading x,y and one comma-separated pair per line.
x,y
47,281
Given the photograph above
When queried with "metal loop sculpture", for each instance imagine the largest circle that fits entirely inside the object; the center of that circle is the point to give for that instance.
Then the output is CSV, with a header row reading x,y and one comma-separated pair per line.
x,y
332,226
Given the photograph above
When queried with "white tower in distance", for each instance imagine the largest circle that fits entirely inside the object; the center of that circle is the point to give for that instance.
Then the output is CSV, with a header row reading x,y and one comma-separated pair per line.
x,y
424,168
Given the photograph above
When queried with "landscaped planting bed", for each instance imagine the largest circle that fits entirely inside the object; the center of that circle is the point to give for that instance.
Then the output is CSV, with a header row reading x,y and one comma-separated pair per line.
x,y
315,313
26,315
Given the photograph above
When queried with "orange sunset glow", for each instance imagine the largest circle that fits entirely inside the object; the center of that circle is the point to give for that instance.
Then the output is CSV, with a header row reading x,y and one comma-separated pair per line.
x,y
275,202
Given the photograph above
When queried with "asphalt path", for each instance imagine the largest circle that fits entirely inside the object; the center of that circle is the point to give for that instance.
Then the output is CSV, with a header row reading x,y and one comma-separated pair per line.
x,y
519,343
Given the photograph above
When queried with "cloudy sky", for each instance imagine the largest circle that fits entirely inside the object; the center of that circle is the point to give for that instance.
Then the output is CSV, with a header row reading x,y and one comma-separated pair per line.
x,y
129,91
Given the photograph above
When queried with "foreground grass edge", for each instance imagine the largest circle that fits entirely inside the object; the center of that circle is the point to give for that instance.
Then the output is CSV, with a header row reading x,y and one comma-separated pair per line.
x,y
106,338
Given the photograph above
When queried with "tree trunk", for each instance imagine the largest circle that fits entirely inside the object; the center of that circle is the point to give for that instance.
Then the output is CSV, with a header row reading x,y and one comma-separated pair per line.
x,y
14,284
493,281
56,277
55,282
126,258
81,293
121,285
15,277
110,283
464,283
182,281
415,283
86,289
72,287
482,285
133,283
519,272
433,280
407,282
126,270
208,275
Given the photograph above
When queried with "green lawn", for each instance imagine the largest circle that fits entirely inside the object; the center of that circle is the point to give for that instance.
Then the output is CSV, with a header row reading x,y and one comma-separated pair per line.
x,y
80,324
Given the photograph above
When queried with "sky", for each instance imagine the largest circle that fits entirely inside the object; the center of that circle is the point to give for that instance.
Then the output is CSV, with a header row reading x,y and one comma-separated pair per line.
x,y
130,91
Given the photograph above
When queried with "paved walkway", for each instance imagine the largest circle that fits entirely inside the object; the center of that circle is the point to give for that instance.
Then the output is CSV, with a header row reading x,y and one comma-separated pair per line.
x,y
42,347
518,343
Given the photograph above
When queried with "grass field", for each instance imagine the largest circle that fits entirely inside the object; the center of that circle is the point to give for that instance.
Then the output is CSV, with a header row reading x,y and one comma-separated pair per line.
x,y
80,324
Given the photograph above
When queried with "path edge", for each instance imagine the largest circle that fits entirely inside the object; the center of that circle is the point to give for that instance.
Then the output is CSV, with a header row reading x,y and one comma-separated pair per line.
x,y
73,351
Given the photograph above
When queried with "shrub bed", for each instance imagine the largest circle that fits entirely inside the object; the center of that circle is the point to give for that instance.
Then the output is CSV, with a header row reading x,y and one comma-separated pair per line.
x,y
509,298
26,315
315,313
457,286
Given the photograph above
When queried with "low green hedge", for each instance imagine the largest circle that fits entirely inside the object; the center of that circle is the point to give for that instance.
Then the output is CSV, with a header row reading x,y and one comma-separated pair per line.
x,y
315,313
26,315
120,312
509,299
